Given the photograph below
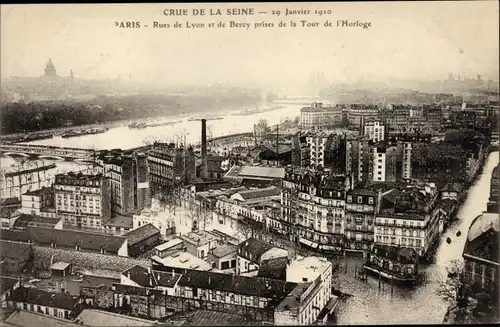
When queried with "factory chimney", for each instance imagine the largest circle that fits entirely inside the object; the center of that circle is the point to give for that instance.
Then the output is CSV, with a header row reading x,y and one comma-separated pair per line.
x,y
204,160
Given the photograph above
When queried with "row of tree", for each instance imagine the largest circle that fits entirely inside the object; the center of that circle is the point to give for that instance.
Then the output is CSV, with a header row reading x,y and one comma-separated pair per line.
x,y
37,116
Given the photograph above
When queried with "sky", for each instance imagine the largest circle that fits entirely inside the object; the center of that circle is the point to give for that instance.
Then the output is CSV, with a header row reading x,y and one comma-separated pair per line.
x,y
406,40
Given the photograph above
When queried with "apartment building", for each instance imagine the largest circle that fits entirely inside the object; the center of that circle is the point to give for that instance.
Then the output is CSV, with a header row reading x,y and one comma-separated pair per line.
x,y
327,151
319,116
313,206
82,200
409,217
37,202
374,129
129,180
252,252
357,113
361,208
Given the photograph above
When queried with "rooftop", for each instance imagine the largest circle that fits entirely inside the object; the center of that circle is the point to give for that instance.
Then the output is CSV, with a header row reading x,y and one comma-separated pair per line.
x,y
199,238
259,193
256,172
251,286
39,192
12,249
224,250
140,234
214,318
292,301
120,221
92,317
183,260
25,318
65,238
49,299
253,249
169,244
483,223
6,284
306,269
145,277
25,219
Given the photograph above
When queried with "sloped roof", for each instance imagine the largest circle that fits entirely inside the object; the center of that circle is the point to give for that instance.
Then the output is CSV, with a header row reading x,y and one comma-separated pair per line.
x,y
49,299
65,238
483,223
266,172
256,248
139,234
151,278
214,318
92,317
263,287
223,250
260,193
11,249
452,187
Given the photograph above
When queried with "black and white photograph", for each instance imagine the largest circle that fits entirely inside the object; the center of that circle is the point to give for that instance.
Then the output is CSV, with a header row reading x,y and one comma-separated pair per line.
x,y
245,164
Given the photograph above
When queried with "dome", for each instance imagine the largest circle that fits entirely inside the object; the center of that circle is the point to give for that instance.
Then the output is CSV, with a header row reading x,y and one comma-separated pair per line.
x,y
50,65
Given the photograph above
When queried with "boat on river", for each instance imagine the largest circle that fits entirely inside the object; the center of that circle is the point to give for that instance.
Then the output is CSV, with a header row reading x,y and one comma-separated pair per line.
x,y
83,132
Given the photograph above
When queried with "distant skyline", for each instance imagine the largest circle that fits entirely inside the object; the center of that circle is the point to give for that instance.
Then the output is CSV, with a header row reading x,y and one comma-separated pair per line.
x,y
407,41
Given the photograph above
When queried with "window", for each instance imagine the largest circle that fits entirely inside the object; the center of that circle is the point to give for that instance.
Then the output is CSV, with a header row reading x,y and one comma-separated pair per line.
x,y
360,199
370,200
349,198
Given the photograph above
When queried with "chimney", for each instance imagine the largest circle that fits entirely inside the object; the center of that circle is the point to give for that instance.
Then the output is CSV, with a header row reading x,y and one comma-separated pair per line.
x,y
204,163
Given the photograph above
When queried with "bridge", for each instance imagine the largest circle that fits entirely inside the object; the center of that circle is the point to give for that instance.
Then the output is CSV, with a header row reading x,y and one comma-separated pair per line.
x,y
48,152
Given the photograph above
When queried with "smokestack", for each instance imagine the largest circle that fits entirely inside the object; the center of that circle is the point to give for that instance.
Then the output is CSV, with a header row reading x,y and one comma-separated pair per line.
x,y
204,161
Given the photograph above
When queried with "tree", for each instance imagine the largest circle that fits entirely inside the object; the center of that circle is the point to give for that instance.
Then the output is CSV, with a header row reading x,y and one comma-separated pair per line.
x,y
453,289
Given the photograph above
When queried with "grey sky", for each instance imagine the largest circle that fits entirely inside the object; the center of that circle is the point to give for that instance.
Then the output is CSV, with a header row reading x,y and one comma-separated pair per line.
x,y
407,40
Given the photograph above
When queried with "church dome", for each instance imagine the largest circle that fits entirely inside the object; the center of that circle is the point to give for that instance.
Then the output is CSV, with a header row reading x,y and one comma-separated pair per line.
x,y
50,65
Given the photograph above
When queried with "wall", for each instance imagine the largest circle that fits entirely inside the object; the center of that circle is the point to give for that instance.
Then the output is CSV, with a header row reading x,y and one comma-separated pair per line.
x,y
110,265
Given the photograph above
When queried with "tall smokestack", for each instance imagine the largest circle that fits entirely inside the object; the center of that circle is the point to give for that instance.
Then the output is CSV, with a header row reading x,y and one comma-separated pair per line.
x,y
204,161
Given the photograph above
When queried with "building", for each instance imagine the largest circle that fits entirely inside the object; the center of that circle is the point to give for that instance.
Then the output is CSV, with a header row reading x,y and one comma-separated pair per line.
x,y
327,151
24,221
480,255
50,69
15,256
361,208
493,205
252,252
7,285
168,248
19,179
300,156
161,219
169,165
34,202
398,264
271,155
387,162
238,174
200,243
224,258
179,261
61,305
313,208
82,200
374,129
318,116
129,180
357,113
312,300
409,217
68,239
142,239
452,191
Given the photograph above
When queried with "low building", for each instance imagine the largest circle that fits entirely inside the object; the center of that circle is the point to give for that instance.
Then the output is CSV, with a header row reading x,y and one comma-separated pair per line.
x,y
25,220
168,248
312,300
119,225
254,173
145,277
180,261
9,211
252,252
69,239
395,263
223,257
99,318
200,243
7,285
481,256
23,318
61,305
15,256
33,202
452,191
142,239
161,219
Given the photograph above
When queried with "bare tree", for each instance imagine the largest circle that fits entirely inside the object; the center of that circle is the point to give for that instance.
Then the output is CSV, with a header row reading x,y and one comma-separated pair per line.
x,y
453,289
